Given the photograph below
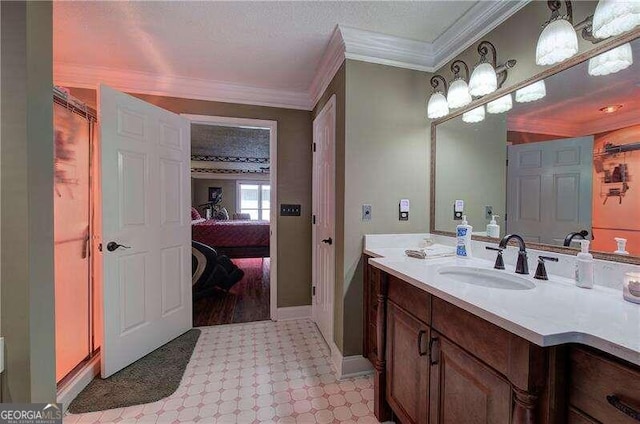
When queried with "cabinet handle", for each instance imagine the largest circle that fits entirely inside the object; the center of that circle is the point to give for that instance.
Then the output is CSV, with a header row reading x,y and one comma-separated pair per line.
x,y
622,407
420,351
432,343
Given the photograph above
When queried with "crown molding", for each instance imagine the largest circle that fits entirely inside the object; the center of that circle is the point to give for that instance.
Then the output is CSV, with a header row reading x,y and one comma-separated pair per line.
x,y
566,129
332,59
478,21
80,76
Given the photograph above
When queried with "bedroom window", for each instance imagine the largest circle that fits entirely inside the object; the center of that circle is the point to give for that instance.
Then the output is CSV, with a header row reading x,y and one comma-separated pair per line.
x,y
253,199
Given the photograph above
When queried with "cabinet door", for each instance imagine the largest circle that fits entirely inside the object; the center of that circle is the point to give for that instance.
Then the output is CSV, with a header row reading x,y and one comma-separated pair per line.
x,y
407,366
463,389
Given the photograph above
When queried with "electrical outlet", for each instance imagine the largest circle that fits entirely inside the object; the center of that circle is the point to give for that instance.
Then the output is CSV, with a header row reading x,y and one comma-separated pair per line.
x,y
488,212
366,212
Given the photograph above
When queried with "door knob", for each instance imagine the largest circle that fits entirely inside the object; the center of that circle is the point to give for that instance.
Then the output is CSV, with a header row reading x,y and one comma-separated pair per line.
x,y
328,241
112,245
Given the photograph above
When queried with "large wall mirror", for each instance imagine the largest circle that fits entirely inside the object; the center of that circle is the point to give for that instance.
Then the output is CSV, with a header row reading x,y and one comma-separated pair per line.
x,y
566,163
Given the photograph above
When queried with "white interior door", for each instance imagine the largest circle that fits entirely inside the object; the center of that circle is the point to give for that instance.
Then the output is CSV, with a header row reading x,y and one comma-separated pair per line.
x,y
145,207
324,157
549,188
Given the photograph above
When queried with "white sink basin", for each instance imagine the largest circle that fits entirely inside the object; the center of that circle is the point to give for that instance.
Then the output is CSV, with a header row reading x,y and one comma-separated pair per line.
x,y
486,277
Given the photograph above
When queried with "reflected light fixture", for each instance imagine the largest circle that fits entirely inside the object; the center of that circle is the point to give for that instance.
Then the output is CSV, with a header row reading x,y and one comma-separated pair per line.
x,y
612,61
487,76
500,105
610,108
437,106
474,115
613,17
558,40
458,94
531,92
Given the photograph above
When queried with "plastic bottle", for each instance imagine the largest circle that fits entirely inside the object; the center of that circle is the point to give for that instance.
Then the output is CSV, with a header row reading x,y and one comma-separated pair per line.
x,y
463,234
584,266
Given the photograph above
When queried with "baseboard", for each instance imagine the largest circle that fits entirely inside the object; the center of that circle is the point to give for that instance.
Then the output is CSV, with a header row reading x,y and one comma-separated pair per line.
x,y
73,387
294,312
349,366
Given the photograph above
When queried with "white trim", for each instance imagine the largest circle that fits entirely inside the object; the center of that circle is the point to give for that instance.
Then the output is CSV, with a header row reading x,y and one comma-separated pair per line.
x,y
83,377
349,366
294,312
478,21
272,126
332,59
81,76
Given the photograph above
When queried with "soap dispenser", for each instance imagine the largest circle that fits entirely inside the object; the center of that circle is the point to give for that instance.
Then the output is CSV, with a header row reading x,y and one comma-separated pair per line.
x,y
493,229
584,266
463,234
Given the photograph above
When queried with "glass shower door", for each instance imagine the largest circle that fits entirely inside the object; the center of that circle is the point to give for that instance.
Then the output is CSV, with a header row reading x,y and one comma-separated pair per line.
x,y
72,235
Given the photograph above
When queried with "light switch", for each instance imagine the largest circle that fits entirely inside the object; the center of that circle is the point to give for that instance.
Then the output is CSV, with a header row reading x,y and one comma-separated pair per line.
x,y
366,212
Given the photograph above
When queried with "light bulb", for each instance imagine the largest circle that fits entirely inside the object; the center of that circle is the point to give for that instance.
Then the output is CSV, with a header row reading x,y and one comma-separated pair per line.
x,y
437,106
483,80
500,105
458,94
531,92
612,61
474,115
613,17
557,42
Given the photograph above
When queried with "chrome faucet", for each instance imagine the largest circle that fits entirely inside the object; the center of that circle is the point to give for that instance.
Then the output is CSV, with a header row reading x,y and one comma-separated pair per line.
x,y
522,266
582,234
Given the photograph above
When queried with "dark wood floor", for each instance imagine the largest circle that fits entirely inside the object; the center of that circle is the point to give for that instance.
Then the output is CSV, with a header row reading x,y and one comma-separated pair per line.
x,y
247,301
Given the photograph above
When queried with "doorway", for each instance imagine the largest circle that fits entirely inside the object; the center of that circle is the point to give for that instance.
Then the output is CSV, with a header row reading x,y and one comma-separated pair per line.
x,y
234,200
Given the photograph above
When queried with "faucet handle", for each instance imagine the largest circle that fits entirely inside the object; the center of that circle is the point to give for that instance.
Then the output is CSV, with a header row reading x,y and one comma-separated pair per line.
x,y
499,260
541,271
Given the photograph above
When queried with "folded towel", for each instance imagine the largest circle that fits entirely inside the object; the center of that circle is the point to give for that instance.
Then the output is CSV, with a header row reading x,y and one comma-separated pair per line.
x,y
431,252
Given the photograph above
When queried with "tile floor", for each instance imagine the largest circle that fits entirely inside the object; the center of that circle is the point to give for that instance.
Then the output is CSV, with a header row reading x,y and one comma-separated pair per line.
x,y
261,372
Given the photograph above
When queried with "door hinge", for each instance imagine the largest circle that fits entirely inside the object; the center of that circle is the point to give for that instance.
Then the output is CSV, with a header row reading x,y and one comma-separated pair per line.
x,y
313,220
507,162
314,147
505,216
313,291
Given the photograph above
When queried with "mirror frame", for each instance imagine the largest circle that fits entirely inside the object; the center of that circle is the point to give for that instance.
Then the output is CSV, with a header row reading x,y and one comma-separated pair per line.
x,y
582,57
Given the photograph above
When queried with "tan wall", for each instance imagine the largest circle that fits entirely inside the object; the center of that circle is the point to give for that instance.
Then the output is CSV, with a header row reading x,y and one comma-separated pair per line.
x,y
471,166
337,88
386,159
294,182
200,190
27,301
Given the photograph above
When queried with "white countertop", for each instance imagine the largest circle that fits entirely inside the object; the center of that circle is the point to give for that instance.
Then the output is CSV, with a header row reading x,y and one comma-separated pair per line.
x,y
554,312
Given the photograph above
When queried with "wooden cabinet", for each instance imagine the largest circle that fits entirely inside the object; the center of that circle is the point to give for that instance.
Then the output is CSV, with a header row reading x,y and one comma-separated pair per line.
x,y
604,389
407,369
463,389
436,363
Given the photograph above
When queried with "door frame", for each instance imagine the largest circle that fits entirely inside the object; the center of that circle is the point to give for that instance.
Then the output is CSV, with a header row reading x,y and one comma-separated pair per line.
x,y
331,103
272,126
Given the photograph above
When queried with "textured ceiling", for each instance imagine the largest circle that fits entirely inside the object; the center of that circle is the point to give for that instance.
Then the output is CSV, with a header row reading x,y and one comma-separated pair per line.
x,y
274,45
213,140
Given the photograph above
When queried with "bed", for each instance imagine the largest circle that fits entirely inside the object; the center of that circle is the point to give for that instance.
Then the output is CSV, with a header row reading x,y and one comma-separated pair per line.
x,y
234,238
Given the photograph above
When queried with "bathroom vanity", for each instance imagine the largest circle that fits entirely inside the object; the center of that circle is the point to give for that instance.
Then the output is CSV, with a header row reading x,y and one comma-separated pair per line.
x,y
453,352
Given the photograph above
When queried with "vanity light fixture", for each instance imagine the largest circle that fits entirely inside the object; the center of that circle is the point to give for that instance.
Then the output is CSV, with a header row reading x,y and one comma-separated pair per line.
x,y
487,76
458,94
612,61
474,115
610,108
437,106
558,40
613,17
531,92
501,104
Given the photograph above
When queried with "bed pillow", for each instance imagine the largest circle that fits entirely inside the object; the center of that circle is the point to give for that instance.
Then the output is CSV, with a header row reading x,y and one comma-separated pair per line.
x,y
195,214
